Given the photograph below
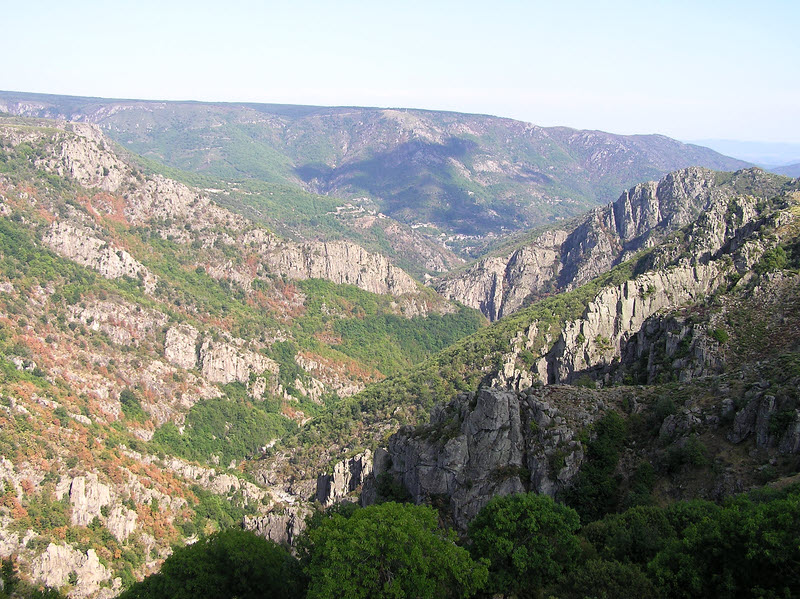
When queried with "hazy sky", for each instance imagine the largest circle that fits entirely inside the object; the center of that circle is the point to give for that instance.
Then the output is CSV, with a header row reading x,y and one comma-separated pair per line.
x,y
688,69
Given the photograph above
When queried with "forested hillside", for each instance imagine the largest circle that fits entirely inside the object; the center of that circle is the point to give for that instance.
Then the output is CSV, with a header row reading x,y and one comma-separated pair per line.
x,y
175,371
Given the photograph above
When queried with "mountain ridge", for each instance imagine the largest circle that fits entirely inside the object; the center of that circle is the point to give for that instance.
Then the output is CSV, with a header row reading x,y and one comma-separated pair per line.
x,y
468,176
562,258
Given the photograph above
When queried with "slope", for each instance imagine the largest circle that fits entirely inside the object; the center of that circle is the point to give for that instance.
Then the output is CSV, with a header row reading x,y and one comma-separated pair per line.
x,y
151,340
612,330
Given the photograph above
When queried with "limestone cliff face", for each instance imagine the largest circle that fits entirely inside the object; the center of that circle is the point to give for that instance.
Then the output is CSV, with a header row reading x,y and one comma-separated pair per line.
x,y
82,246
339,262
641,217
88,497
224,362
619,312
180,345
53,567
626,321
347,476
493,442
282,526
499,285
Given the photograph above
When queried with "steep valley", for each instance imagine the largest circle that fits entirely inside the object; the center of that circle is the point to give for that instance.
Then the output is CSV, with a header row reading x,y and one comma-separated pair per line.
x,y
172,366
145,356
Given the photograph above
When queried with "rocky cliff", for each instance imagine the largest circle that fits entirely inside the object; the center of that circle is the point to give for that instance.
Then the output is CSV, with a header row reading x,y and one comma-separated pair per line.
x,y
491,442
82,153
498,441
640,218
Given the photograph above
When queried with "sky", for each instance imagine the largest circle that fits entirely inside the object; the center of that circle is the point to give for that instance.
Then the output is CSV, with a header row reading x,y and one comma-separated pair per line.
x,y
702,69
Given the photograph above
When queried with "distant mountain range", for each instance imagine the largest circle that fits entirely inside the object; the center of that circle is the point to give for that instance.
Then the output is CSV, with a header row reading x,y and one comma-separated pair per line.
x,y
460,174
774,156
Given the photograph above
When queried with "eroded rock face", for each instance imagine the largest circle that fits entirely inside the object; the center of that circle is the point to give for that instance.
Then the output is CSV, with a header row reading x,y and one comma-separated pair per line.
x,y
618,313
223,362
82,246
87,496
493,442
347,477
339,262
90,499
640,218
498,285
53,567
180,346
123,322
282,526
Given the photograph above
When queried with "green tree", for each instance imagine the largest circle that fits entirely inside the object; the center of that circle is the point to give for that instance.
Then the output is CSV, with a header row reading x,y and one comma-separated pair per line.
x,y
529,541
230,564
388,550
636,535
601,579
745,549
596,492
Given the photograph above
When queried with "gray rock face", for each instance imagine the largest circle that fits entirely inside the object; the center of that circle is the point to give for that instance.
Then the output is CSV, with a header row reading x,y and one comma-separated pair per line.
x,y
223,362
493,442
499,285
339,262
617,313
85,248
755,419
87,498
642,216
670,342
53,567
347,477
180,346
283,526
80,151
123,322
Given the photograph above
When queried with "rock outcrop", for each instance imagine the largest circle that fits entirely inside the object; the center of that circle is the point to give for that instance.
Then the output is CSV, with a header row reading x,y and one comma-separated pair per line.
x,y
180,346
124,323
499,285
640,218
90,499
347,477
82,246
81,152
617,313
53,568
282,526
339,262
225,362
493,442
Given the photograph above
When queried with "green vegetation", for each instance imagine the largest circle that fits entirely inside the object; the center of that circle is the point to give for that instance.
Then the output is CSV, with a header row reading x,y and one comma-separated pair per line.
x,y
528,540
596,491
521,546
409,396
230,428
228,564
387,550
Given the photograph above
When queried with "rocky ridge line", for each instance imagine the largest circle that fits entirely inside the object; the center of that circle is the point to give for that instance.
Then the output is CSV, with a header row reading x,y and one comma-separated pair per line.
x,y
642,216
